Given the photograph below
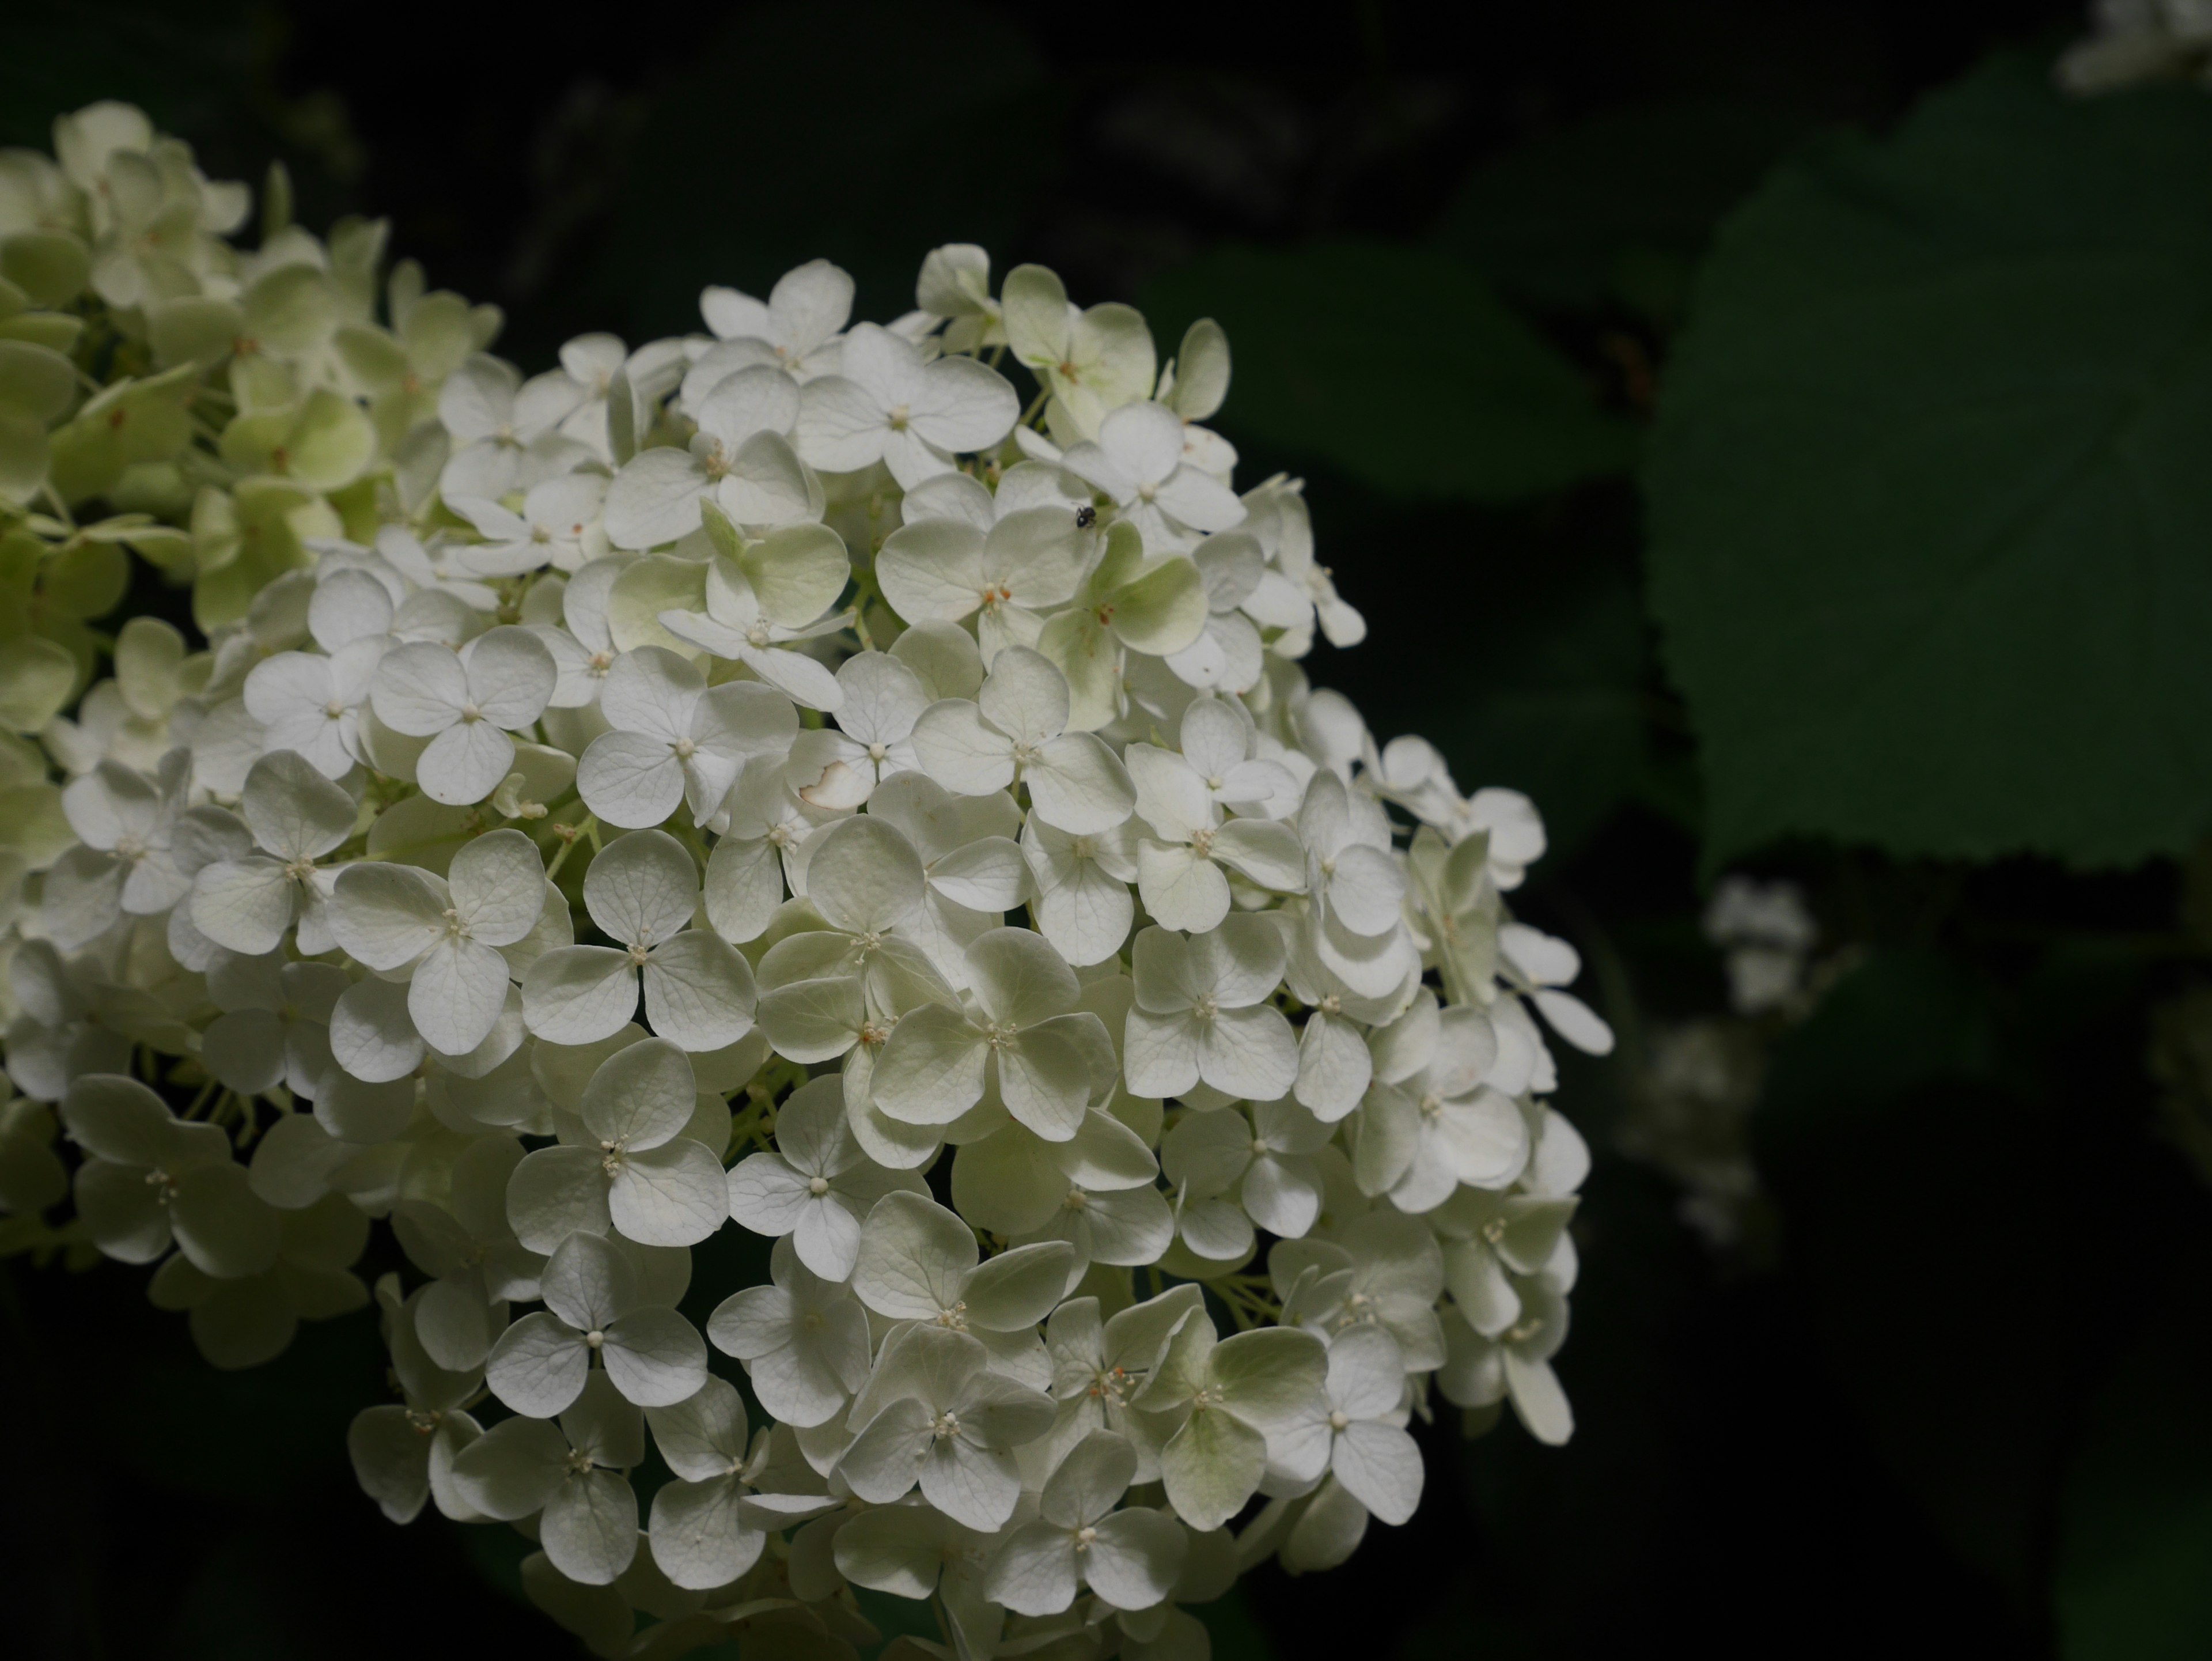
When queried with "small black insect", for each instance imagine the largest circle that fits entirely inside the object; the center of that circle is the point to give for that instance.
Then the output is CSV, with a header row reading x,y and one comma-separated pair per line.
x,y
1086,518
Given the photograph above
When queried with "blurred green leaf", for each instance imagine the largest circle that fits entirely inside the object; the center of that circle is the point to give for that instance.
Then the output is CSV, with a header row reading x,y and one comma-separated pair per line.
x,y
1929,494
2131,1581
1617,207
1399,365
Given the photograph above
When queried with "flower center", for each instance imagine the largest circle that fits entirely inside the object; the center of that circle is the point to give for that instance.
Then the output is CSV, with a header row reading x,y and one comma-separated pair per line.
x,y
684,749
900,415
334,708
955,1318
1205,1009
817,1186
470,713
595,1338
1338,1420
944,1426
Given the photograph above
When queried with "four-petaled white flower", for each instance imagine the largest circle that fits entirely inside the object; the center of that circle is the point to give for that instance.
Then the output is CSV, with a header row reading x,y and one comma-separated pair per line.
x,y
631,1167
444,932
817,1186
467,704
592,1313
887,403
1129,1558
642,891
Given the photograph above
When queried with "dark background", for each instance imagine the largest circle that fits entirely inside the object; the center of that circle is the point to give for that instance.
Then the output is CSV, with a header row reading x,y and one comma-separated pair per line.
x,y
1951,1366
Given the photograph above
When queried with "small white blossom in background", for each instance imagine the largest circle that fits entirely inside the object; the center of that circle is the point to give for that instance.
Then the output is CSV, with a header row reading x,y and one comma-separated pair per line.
x,y
566,847
2132,41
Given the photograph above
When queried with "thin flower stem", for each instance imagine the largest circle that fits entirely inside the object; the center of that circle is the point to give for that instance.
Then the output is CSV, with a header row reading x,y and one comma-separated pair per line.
x,y
590,826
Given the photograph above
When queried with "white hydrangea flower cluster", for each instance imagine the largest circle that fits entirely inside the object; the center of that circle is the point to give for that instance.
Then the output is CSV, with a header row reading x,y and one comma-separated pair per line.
x,y
768,778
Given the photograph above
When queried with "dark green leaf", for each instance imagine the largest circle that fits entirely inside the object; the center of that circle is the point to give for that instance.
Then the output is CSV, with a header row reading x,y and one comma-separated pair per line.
x,y
1398,365
1608,208
2131,1582
1929,499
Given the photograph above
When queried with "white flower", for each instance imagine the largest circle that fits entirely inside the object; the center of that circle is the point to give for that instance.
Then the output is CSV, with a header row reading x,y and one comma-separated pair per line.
x,y
1362,1429
1267,1159
674,740
1383,1268
1082,899
1489,1238
151,1179
777,590
934,1413
1136,458
1480,1371
919,1262
638,1173
817,1186
972,869
804,1339
1179,872
1006,574
739,459
1093,1189
1428,1122
1247,1395
642,891
296,816
1099,1368
878,700
887,403
444,932
1027,1044
501,424
570,1478
554,528
593,1312
914,1550
699,1533
798,324
954,284
1129,1558
1201,1013
275,1027
466,704
1537,965
1093,361
126,825
1296,590
1015,731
